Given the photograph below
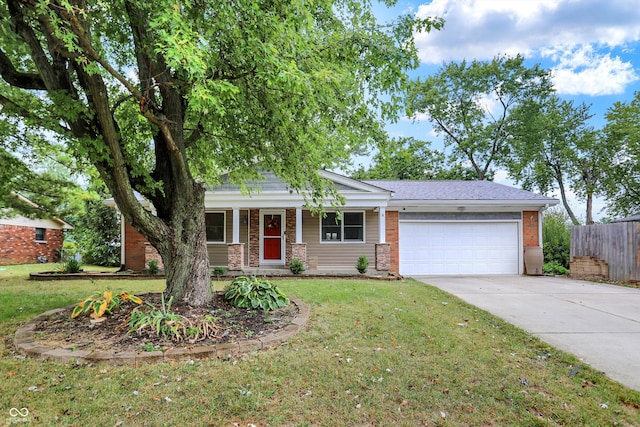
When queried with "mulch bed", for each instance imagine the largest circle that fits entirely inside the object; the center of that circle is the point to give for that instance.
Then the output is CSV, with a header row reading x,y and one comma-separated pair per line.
x,y
234,324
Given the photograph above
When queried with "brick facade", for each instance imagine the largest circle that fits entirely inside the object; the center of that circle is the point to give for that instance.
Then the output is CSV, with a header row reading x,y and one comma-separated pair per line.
x,y
254,238
235,253
530,228
392,238
18,245
138,252
383,256
290,229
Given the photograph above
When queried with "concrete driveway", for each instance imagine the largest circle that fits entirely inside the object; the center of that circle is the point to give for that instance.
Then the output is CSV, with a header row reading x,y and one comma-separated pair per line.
x,y
598,323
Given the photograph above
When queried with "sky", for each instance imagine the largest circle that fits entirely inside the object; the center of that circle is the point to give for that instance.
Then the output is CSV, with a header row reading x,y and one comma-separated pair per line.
x,y
591,47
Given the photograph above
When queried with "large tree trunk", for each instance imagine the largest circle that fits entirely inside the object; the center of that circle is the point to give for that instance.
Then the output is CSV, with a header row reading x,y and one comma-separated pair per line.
x,y
186,259
184,249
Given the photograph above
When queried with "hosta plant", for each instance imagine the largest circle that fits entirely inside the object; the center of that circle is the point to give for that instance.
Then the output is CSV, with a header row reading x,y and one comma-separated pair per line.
x,y
170,325
255,293
102,304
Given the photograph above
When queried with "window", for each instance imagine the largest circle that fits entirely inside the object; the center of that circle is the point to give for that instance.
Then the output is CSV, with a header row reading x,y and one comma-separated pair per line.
x,y
215,224
348,229
41,234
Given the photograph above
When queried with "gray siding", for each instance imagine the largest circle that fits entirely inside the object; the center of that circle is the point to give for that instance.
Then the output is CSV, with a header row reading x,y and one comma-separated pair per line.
x,y
218,252
459,216
340,255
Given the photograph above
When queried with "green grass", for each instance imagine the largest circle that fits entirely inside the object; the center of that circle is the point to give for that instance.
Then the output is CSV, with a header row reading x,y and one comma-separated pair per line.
x,y
373,353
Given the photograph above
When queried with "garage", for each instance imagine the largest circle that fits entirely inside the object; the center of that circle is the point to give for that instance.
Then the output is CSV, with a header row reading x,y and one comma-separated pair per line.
x,y
441,248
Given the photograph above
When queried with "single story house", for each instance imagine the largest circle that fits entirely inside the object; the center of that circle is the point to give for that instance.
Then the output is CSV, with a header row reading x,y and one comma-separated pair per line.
x,y
403,227
30,240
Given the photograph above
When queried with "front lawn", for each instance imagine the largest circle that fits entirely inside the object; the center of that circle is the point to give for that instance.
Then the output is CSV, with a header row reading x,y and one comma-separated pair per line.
x,y
373,353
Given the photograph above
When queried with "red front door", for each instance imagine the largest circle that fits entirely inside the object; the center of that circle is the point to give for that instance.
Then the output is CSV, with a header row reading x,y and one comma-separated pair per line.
x,y
272,237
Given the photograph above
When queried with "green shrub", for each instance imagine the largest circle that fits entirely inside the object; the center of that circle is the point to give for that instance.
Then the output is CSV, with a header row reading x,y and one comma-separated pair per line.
x,y
219,271
296,266
152,267
72,265
362,264
556,237
554,268
254,293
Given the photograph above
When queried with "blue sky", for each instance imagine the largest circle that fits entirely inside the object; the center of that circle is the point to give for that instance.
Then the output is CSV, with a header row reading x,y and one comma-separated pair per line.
x,y
591,47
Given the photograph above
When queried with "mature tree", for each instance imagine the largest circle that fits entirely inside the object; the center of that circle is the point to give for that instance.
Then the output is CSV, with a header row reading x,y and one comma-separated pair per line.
x,y
408,158
623,129
469,104
555,147
163,96
50,192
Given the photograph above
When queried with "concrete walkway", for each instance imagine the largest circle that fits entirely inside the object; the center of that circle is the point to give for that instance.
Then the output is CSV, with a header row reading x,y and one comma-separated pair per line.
x,y
598,323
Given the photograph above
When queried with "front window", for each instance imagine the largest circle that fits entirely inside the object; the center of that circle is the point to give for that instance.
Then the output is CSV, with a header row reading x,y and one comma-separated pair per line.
x,y
215,223
41,234
349,228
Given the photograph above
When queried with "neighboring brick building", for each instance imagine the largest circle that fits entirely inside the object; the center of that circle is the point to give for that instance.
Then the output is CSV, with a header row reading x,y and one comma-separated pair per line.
x,y
29,241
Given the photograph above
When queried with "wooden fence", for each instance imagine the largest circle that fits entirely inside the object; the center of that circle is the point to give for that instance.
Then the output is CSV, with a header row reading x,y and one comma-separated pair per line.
x,y
617,244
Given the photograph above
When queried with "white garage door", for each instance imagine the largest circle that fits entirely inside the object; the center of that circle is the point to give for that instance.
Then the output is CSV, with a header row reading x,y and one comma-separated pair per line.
x,y
459,248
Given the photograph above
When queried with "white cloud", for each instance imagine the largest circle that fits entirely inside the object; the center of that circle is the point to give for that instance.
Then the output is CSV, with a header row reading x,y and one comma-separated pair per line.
x,y
576,37
585,72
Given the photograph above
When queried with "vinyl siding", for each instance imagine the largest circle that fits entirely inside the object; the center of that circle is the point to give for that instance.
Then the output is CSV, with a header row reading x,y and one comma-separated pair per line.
x,y
340,255
218,252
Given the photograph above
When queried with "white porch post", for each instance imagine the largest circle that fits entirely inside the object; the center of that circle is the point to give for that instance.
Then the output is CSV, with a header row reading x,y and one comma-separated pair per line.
x,y
298,225
236,226
382,226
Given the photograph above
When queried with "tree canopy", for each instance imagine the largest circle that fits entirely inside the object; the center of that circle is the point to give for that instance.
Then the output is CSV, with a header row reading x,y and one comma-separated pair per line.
x,y
556,147
411,159
470,105
623,130
162,97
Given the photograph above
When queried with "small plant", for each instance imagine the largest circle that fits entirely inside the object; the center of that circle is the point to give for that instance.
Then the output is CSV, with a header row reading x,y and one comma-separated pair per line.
x,y
101,304
152,267
254,293
72,265
296,266
219,271
555,268
167,324
362,264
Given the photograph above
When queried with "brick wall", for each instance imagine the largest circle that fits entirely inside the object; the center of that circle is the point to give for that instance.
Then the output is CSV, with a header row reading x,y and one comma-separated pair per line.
x,y
588,267
392,239
291,235
530,228
135,249
18,245
254,238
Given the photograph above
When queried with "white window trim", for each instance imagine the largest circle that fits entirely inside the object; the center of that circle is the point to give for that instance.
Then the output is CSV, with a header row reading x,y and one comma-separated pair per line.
x,y
224,228
342,241
36,235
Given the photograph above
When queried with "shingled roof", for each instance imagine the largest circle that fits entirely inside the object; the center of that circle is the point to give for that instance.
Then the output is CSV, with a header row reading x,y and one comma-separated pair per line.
x,y
458,190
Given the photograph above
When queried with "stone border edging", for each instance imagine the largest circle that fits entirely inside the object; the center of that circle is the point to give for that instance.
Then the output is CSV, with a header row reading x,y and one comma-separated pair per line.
x,y
26,344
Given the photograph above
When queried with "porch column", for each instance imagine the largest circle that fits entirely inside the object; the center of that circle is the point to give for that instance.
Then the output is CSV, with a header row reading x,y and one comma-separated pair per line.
x,y
236,226
382,225
235,249
383,249
298,225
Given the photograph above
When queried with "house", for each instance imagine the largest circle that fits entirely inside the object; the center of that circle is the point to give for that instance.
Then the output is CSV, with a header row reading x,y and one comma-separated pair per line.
x,y
403,227
30,240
